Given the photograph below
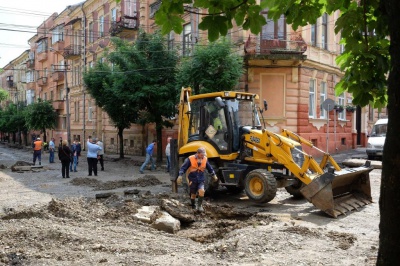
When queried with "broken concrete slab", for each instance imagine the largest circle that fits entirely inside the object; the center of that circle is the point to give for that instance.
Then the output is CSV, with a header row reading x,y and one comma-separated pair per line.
x,y
178,210
167,223
147,214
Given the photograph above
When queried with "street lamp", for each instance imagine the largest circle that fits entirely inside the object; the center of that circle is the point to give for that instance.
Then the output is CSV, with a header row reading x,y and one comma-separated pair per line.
x,y
66,95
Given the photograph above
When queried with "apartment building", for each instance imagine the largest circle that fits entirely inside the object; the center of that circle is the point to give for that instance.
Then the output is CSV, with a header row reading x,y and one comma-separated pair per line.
x,y
294,71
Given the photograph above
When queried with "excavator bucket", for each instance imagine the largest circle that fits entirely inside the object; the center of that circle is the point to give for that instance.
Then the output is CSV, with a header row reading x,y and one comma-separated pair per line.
x,y
338,192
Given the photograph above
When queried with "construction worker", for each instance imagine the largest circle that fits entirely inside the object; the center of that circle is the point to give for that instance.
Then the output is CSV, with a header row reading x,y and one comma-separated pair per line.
x,y
196,164
37,151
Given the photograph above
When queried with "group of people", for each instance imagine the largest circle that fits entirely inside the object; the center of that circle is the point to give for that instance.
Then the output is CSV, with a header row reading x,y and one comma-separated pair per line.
x,y
69,155
195,165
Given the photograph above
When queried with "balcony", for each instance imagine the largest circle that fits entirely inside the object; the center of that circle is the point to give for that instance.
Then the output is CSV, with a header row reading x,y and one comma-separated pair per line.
x,y
72,51
42,56
276,49
57,76
58,46
58,104
42,81
30,64
124,27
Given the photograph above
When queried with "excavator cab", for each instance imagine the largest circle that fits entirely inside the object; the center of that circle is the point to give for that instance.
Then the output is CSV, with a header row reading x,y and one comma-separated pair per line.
x,y
218,121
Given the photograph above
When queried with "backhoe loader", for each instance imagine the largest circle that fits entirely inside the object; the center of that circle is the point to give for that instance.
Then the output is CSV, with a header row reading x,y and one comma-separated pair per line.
x,y
246,156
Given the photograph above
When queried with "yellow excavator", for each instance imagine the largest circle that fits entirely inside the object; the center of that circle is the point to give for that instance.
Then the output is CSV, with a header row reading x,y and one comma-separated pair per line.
x,y
246,156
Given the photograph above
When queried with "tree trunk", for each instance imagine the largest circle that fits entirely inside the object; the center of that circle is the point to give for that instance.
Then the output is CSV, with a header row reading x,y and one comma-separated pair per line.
x,y
121,142
44,136
389,201
159,141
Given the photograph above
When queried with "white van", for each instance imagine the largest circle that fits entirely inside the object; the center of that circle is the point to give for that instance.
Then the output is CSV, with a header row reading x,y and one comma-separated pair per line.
x,y
377,139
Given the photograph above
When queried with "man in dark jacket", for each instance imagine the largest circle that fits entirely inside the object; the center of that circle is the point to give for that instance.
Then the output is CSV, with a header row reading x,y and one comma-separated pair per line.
x,y
196,165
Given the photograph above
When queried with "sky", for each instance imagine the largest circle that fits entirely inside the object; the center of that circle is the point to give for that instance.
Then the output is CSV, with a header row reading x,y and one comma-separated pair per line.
x,y
19,20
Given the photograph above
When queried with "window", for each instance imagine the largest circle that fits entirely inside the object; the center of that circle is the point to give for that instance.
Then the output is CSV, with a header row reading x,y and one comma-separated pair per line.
x,y
314,35
324,31
131,143
171,38
311,100
113,14
91,64
371,112
101,26
274,30
51,95
42,46
30,76
91,39
45,96
112,141
187,38
76,109
322,98
90,112
57,34
342,115
61,94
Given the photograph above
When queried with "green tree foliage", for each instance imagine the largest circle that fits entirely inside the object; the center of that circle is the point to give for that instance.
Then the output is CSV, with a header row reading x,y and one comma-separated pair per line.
x,y
13,120
41,116
136,83
3,94
213,67
222,13
369,56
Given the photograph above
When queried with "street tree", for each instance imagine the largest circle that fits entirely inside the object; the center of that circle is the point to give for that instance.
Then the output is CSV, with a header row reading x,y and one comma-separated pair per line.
x,y
371,66
212,67
14,120
135,84
3,94
41,116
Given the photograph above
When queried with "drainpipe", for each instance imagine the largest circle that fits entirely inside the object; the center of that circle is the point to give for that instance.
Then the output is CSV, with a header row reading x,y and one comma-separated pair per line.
x,y
84,67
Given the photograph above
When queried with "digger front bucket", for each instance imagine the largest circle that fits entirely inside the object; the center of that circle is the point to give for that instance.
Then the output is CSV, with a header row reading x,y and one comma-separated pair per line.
x,y
338,192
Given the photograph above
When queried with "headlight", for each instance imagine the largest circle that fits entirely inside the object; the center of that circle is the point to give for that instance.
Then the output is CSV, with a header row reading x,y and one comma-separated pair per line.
x,y
370,146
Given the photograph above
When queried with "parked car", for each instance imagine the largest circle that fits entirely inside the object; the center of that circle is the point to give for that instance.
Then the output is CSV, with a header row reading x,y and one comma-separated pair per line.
x,y
376,139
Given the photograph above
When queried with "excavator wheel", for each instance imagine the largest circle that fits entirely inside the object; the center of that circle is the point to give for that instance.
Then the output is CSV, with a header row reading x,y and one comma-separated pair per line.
x,y
260,185
294,189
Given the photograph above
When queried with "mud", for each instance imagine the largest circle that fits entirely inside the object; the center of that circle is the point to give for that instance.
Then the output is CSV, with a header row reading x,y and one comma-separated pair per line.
x,y
47,220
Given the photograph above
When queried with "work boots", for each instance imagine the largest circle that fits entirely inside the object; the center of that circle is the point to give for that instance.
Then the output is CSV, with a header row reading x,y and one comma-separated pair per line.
x,y
199,204
192,203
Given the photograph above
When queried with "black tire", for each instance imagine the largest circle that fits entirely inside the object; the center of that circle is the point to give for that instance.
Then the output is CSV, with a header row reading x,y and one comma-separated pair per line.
x,y
260,186
294,189
371,157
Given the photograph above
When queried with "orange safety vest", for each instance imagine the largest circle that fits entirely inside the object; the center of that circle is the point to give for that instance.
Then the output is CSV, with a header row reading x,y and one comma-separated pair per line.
x,y
194,166
38,145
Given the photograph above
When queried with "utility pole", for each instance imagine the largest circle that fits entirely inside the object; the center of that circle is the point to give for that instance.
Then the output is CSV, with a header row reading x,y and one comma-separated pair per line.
x,y
67,102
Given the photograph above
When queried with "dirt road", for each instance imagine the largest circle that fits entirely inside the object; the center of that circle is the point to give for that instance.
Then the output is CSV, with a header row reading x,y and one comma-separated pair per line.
x,y
48,220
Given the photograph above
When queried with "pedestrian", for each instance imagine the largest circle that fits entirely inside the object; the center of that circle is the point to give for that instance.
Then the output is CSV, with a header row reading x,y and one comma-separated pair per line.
x,y
60,143
92,149
74,157
78,151
52,148
64,154
196,164
168,153
100,154
37,151
149,157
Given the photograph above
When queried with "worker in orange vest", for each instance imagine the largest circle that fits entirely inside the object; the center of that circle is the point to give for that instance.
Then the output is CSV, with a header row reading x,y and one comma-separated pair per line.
x,y
196,165
37,151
